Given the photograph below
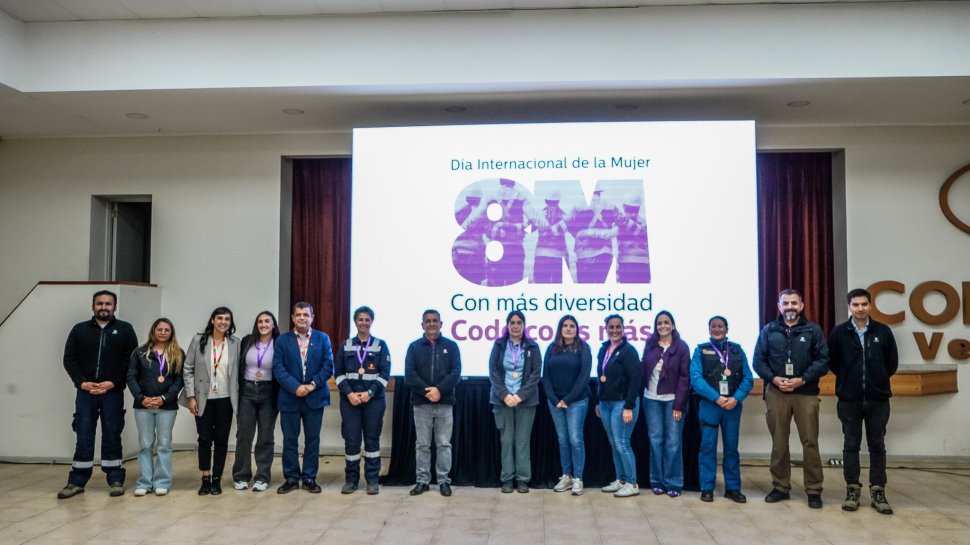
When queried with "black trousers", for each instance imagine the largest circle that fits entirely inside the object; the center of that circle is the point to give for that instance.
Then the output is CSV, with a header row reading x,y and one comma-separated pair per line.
x,y
213,428
875,416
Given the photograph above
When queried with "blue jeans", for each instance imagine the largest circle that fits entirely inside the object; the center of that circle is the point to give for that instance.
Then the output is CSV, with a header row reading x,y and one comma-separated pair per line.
x,y
618,433
711,417
666,456
155,431
570,423
433,421
312,420
88,409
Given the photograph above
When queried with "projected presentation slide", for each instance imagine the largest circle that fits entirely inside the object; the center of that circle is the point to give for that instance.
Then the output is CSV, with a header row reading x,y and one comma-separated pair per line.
x,y
587,219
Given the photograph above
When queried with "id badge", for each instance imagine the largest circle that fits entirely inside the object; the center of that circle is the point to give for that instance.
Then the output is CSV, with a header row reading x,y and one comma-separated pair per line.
x,y
789,369
723,385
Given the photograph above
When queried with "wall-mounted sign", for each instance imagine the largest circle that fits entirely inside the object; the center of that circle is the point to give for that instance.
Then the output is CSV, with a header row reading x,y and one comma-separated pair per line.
x,y
955,305
945,200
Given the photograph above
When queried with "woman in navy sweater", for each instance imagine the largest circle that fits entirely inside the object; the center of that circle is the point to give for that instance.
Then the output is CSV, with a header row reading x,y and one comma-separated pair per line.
x,y
565,379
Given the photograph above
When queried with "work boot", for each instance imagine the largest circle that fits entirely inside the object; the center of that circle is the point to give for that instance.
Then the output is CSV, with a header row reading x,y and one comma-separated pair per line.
x,y
852,494
879,502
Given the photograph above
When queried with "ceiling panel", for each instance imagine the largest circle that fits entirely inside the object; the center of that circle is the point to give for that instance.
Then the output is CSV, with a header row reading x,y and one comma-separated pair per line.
x,y
97,10
153,9
35,10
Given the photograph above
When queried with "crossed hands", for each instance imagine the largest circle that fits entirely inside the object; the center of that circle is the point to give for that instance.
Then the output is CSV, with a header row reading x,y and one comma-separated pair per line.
x,y
97,388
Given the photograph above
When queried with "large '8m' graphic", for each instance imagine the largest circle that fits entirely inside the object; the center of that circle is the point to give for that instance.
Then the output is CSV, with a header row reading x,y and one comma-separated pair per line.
x,y
539,233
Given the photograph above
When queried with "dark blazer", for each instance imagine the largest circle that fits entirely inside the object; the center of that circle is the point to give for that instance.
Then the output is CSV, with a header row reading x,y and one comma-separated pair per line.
x,y
675,374
248,342
288,370
531,372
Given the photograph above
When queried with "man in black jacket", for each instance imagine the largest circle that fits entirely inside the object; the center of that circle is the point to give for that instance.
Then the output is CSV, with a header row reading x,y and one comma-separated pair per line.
x,y
96,358
790,357
863,358
432,369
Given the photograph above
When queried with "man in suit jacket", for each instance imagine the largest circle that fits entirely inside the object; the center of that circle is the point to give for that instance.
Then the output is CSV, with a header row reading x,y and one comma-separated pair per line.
x,y
303,366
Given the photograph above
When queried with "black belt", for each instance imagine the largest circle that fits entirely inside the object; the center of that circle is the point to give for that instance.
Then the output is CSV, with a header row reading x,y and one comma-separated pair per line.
x,y
257,382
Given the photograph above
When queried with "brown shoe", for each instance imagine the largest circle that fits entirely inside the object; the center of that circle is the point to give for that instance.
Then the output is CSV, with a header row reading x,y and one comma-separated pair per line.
x,y
879,502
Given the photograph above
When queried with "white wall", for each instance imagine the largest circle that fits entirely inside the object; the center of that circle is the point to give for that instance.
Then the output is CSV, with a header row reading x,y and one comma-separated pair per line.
x,y
37,398
218,197
685,45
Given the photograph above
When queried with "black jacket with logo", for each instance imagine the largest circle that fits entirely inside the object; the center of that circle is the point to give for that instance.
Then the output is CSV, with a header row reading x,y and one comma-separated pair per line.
x,y
95,354
862,373
803,344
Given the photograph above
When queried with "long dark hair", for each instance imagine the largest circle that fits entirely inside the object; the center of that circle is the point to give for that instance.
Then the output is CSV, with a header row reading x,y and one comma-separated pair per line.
x,y
654,339
521,315
209,328
253,337
558,346
276,327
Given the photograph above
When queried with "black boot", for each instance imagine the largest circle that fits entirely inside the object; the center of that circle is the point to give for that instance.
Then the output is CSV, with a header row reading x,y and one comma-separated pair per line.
x,y
206,487
216,486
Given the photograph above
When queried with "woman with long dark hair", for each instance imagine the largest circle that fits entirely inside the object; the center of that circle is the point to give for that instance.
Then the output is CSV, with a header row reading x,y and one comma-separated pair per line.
x,y
565,378
211,393
362,369
514,369
618,371
155,380
666,392
257,412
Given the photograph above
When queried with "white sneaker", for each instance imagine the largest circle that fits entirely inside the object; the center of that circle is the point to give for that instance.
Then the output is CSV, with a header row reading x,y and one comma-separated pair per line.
x,y
564,484
577,487
161,491
612,487
240,485
259,486
627,490
141,491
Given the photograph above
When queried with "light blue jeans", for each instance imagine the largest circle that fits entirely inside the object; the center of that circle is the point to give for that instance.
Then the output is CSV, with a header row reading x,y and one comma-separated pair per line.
x,y
618,433
155,431
666,456
570,423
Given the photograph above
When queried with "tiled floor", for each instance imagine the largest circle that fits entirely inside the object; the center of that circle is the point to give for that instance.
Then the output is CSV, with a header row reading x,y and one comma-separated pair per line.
x,y
932,507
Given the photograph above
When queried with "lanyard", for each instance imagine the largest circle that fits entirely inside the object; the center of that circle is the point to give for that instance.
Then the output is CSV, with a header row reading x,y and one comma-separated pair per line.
x,y
516,351
725,356
161,362
217,360
304,345
261,355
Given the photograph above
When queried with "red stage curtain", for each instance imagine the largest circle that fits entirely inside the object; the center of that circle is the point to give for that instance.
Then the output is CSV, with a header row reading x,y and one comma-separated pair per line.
x,y
320,250
795,233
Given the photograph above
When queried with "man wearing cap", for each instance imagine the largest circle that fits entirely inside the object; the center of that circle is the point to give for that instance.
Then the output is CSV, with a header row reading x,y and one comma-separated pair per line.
x,y
594,229
551,247
633,255
468,251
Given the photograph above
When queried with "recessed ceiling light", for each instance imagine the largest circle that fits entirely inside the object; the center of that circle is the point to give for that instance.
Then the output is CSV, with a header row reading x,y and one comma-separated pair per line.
x,y
626,106
798,103
456,109
966,102
293,111
136,115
